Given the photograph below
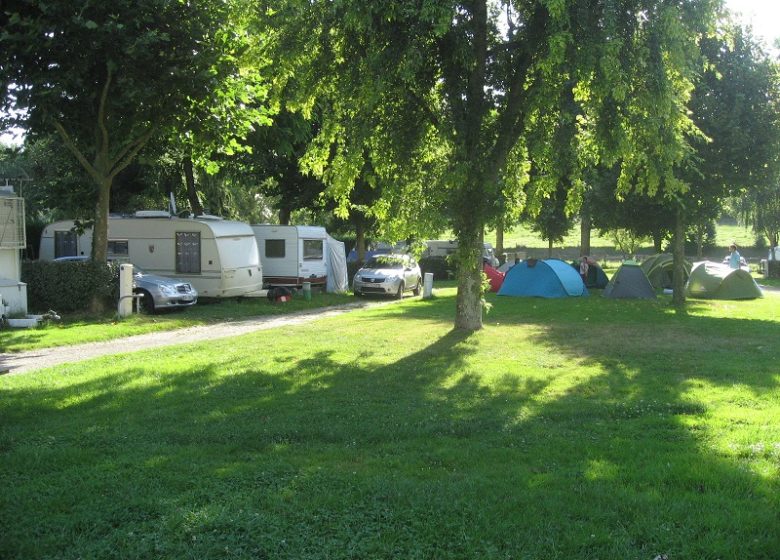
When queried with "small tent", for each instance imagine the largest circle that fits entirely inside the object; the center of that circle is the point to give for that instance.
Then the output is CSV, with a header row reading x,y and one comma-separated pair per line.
x,y
718,281
597,278
336,265
495,277
551,278
629,282
660,270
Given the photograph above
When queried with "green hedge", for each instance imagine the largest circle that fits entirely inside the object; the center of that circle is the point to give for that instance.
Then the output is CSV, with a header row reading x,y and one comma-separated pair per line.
x,y
70,285
774,269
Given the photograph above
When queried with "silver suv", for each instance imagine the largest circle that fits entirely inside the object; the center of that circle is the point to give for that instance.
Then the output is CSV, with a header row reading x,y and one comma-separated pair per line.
x,y
391,274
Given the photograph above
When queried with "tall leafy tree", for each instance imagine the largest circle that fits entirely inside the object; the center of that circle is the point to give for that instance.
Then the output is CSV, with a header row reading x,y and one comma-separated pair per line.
x,y
449,90
109,76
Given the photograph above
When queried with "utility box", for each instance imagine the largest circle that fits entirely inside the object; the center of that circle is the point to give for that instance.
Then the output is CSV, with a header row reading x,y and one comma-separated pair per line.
x,y
125,290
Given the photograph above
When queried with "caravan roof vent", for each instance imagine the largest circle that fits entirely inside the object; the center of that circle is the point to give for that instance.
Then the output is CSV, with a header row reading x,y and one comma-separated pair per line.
x,y
209,217
152,214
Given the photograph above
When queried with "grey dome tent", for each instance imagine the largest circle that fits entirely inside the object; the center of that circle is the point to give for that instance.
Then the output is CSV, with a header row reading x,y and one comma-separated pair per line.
x,y
718,281
660,270
629,282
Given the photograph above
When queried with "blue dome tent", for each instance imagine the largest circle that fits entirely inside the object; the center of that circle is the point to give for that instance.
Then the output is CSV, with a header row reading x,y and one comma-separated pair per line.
x,y
551,278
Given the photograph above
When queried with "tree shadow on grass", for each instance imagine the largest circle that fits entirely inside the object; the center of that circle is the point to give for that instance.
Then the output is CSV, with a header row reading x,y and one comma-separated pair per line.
x,y
253,448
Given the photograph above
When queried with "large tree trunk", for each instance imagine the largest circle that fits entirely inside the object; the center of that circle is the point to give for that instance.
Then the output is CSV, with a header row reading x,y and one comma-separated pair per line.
x,y
678,297
585,227
468,315
192,192
549,248
99,251
284,216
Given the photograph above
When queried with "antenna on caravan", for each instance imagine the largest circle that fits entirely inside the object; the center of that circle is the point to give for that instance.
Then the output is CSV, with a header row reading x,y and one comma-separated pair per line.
x,y
171,204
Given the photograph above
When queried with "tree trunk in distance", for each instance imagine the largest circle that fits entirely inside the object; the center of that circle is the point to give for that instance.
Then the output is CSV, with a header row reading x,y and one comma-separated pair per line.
x,y
549,249
192,193
360,241
585,227
284,216
500,241
678,297
657,242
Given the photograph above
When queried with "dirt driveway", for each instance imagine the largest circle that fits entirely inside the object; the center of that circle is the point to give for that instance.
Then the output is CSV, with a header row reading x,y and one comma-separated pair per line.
x,y
46,357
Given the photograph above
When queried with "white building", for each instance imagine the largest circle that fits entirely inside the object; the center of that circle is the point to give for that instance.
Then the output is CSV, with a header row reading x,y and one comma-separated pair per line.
x,y
12,240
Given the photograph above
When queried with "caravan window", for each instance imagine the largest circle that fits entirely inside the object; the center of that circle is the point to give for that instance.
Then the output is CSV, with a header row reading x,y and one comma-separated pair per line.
x,y
188,252
312,249
274,248
65,244
117,248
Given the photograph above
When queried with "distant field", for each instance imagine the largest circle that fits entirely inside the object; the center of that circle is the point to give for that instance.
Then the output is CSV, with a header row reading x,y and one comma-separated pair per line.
x,y
522,237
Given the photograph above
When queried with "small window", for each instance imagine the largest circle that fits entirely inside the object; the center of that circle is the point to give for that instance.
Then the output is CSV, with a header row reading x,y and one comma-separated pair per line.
x,y
312,249
274,248
65,244
188,252
118,248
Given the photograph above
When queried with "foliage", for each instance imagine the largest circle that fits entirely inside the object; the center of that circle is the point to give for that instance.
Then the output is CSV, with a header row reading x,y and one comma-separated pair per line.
x,y
448,102
69,286
109,76
386,434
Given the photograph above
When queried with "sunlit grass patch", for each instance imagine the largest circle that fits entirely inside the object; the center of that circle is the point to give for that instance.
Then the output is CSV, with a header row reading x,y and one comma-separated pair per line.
x,y
385,433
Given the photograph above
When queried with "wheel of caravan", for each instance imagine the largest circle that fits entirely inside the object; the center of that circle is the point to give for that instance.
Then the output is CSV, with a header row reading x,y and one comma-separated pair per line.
x,y
400,293
418,287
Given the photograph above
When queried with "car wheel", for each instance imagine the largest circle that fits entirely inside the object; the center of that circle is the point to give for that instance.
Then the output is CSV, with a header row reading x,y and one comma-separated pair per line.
x,y
418,287
146,303
400,293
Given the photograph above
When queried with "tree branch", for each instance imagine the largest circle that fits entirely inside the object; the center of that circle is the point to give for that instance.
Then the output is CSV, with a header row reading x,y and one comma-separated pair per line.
x,y
71,145
130,152
101,118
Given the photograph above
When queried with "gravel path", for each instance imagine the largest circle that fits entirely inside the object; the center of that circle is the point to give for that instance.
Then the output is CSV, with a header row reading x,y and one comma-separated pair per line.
x,y
46,357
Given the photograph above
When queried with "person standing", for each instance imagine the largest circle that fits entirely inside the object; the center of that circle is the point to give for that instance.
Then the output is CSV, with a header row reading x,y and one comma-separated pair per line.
x,y
584,270
734,257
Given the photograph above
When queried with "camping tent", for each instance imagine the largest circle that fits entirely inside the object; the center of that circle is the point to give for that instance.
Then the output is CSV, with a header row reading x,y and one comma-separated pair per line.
x,y
336,265
551,278
495,277
629,282
596,276
660,270
718,281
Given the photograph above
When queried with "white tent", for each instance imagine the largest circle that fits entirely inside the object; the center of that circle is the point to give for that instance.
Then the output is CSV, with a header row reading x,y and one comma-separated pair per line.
x,y
337,267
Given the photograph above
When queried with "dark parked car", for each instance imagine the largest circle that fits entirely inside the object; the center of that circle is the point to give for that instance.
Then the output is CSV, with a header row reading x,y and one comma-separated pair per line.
x,y
391,274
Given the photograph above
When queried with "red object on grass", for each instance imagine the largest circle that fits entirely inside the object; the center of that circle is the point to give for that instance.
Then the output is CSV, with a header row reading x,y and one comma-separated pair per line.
x,y
495,277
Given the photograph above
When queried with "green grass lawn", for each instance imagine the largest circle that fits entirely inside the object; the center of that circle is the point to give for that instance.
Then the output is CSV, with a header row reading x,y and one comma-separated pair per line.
x,y
565,429
76,329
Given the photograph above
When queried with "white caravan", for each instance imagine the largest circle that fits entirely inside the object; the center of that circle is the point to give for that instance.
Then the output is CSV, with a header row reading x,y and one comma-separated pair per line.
x,y
218,257
292,255
13,292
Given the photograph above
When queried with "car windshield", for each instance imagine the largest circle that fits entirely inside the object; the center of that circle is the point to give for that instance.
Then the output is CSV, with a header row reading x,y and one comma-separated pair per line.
x,y
386,261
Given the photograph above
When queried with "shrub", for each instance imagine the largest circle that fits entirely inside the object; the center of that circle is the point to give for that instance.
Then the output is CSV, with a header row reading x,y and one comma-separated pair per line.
x,y
774,269
70,285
